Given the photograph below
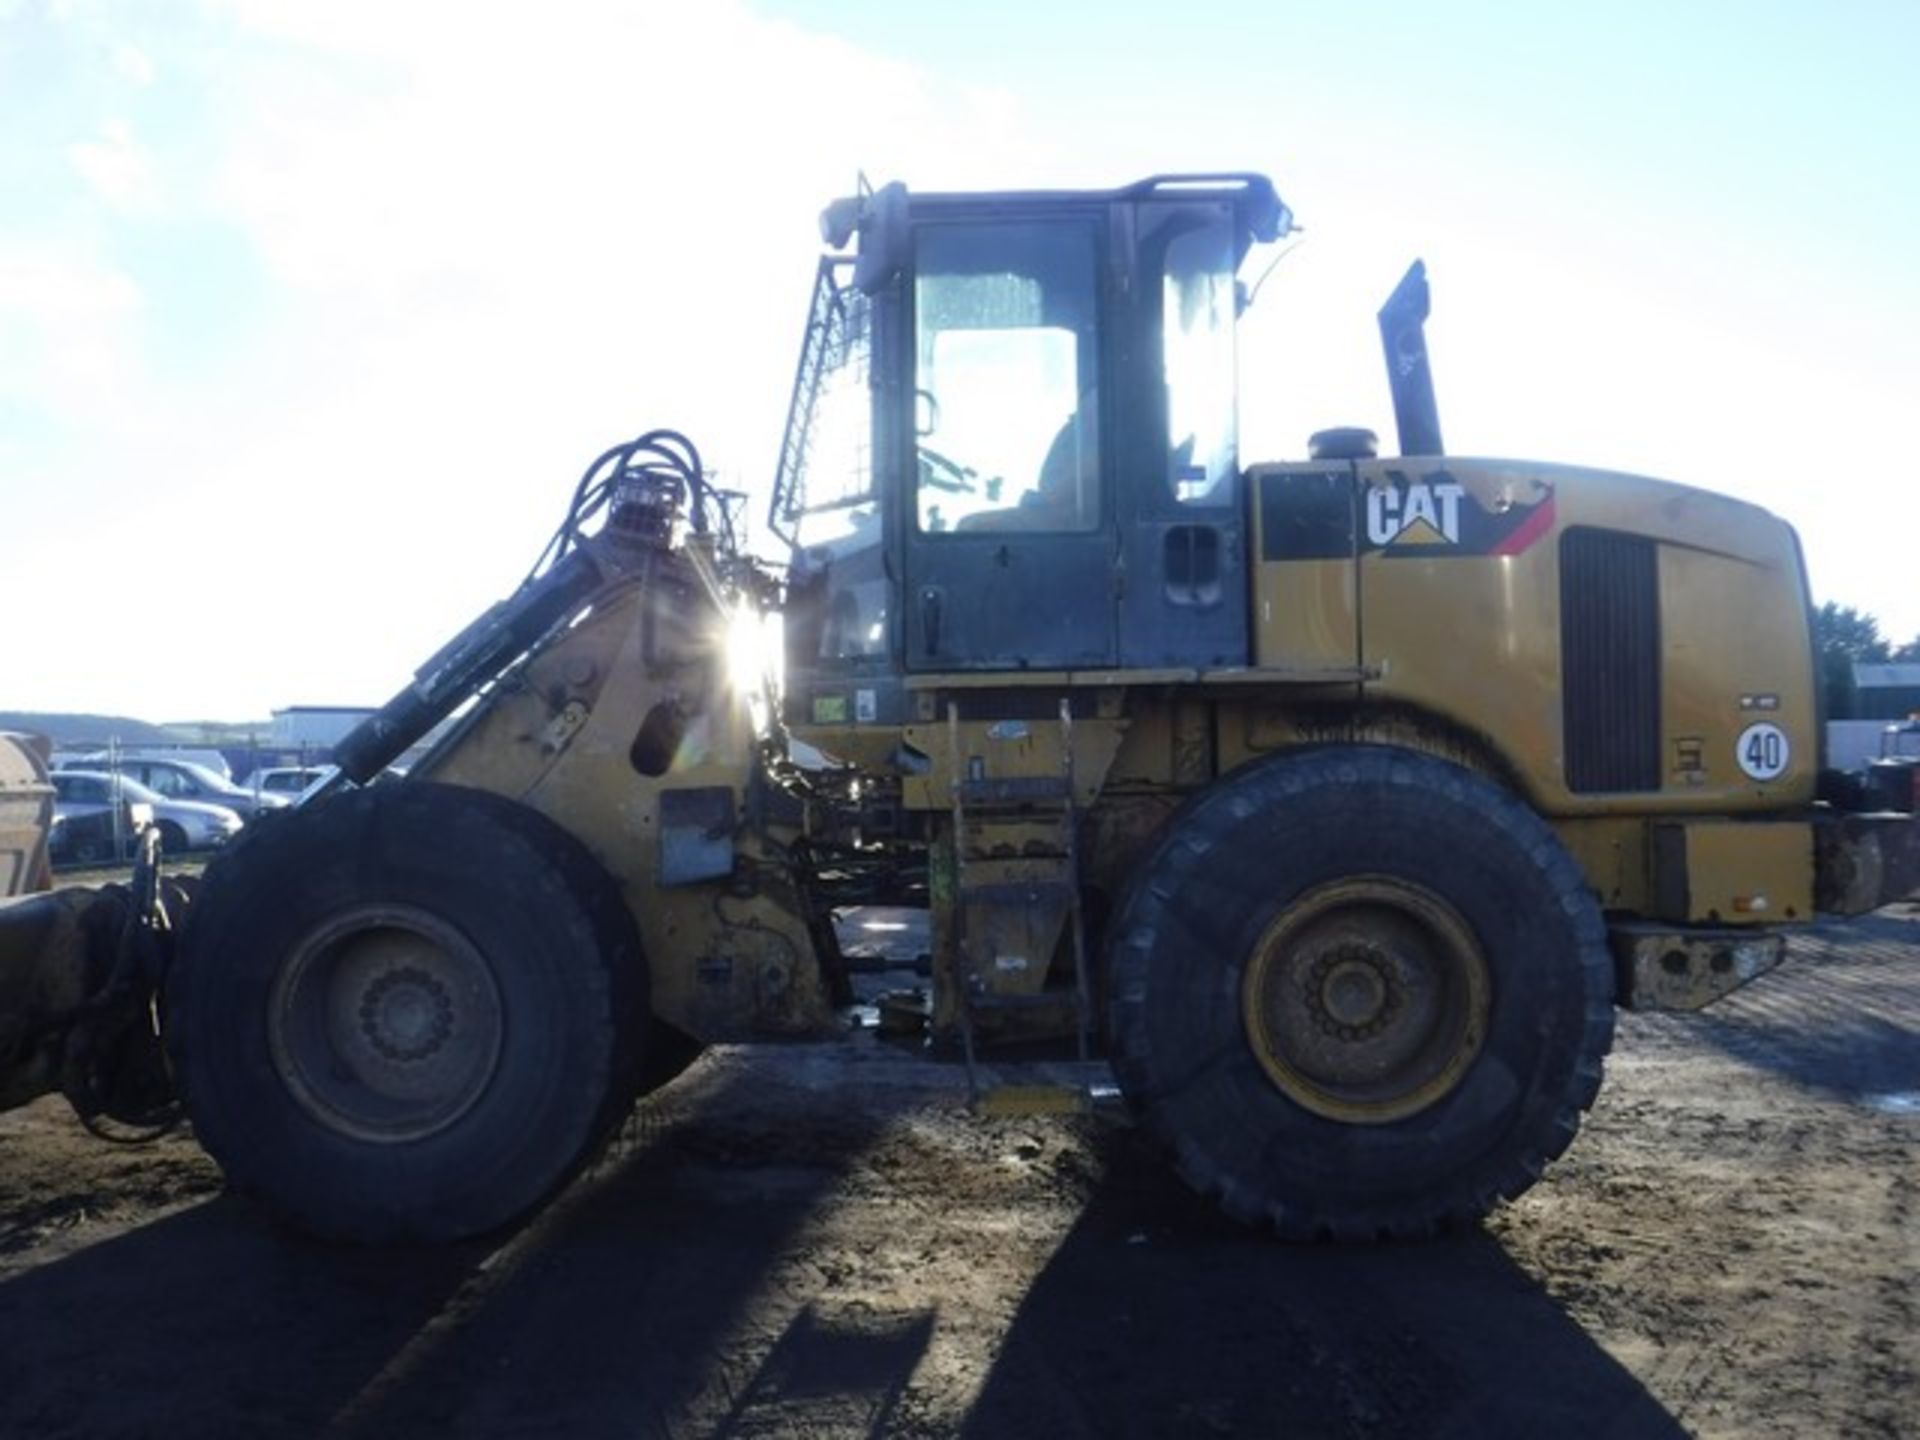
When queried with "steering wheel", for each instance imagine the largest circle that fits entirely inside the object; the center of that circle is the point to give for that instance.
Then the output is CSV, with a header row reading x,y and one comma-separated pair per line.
x,y
938,472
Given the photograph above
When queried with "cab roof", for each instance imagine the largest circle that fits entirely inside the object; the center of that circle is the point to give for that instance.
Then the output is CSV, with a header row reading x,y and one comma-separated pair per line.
x,y
1264,214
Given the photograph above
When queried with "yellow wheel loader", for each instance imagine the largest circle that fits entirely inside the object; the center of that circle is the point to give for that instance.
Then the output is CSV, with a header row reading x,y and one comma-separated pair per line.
x,y
1337,802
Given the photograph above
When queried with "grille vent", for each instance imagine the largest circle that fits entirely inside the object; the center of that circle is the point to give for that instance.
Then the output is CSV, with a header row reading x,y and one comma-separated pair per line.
x,y
1610,660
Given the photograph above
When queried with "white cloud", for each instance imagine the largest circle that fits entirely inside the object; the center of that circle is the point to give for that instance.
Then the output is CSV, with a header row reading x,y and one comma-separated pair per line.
x,y
68,332
117,168
43,284
487,246
130,63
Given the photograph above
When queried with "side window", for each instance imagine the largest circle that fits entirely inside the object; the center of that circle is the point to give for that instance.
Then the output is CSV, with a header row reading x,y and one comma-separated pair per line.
x,y
1006,394
1197,319
168,782
836,508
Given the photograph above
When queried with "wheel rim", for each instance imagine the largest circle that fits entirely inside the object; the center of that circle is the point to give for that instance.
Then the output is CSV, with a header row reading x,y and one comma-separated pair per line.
x,y
385,1024
1366,1000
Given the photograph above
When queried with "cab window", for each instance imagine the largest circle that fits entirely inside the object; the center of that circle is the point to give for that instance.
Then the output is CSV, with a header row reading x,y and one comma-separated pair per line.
x,y
1006,395
838,528
1197,301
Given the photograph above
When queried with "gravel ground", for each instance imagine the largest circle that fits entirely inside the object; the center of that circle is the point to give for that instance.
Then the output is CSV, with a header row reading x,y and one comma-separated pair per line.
x,y
819,1242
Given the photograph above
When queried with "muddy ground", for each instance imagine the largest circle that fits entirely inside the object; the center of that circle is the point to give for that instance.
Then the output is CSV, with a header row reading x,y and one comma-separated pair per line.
x,y
819,1243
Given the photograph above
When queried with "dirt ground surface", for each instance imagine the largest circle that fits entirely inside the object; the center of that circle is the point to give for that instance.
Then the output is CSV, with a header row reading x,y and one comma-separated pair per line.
x,y
819,1242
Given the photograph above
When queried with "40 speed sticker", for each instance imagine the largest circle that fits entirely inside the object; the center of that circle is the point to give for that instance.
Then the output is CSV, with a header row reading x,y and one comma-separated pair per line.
x,y
1763,751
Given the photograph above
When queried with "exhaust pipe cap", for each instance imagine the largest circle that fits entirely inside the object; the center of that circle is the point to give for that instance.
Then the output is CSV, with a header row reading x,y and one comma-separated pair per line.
x,y
1344,442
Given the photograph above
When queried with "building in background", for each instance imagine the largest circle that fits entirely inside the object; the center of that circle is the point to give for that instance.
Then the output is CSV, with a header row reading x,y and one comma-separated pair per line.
x,y
315,727
1882,694
1886,692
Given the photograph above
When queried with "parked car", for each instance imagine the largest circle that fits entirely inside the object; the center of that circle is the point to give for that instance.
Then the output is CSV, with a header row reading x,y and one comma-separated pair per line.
x,y
95,758
88,837
183,780
287,781
183,824
1893,777
84,830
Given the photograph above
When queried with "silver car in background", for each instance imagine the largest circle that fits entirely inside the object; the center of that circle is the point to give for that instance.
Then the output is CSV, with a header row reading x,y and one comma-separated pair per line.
x,y
183,824
181,780
287,781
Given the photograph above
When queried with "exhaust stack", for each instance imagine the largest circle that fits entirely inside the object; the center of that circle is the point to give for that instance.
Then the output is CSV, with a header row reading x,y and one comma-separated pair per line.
x,y
1403,334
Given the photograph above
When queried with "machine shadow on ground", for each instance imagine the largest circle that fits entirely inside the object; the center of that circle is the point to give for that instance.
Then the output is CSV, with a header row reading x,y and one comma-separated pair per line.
x,y
672,1295
1836,1018
209,1321
1157,1317
609,1310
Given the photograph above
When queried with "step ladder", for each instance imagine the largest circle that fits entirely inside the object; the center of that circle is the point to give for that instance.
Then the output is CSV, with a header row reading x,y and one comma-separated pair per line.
x,y
1029,796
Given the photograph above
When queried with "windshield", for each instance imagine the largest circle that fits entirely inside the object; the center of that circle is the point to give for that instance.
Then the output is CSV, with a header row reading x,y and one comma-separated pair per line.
x,y
208,778
824,502
826,456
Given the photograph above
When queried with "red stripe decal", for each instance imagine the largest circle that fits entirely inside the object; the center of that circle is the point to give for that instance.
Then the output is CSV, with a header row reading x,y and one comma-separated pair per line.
x,y
1530,530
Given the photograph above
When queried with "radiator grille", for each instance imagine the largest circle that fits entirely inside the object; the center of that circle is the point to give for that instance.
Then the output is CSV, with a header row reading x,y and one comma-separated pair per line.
x,y
1610,660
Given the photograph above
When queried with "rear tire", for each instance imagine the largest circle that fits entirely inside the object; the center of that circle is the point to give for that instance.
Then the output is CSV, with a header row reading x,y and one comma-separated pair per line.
x,y
1360,992
408,1013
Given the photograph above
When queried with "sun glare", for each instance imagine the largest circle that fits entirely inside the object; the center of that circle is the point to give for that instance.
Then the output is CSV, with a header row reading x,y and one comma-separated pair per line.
x,y
754,659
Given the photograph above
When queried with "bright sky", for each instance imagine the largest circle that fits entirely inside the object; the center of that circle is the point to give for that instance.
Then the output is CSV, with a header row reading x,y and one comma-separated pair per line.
x,y
311,313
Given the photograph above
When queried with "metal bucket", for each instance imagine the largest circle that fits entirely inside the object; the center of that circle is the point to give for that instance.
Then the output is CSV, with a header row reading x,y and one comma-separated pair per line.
x,y
26,813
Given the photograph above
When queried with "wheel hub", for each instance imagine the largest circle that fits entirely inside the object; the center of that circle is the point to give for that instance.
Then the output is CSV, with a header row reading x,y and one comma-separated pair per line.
x,y
1351,993
1366,1000
385,1024
406,1014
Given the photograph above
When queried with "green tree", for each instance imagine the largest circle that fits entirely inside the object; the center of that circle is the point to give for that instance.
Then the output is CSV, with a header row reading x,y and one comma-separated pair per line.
x,y
1844,636
1909,653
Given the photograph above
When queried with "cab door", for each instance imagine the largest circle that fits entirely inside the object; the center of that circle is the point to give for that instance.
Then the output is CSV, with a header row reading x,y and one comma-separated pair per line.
x,y
1009,548
1184,567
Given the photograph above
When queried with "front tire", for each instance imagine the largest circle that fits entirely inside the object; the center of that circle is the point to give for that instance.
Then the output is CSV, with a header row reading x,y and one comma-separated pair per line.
x,y
408,1013
1360,992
